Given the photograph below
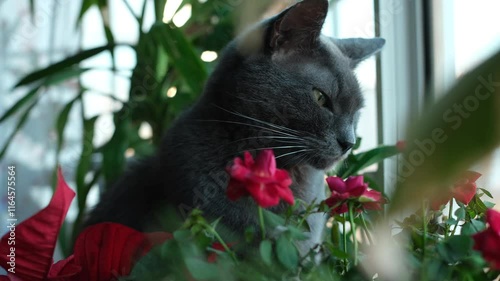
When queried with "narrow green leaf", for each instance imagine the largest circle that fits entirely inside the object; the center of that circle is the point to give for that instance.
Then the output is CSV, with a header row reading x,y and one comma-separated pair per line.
x,y
19,104
85,161
86,5
287,253
20,123
32,10
266,251
362,160
61,121
182,55
487,193
113,152
61,65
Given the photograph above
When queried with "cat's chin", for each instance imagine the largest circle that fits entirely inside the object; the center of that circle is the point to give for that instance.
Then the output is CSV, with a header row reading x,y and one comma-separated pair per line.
x,y
326,163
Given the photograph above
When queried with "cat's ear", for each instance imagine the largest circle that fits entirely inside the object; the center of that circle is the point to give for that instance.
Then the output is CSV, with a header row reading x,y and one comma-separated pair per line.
x,y
359,49
299,26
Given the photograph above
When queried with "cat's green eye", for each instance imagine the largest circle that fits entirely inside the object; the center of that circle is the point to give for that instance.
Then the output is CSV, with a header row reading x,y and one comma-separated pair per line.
x,y
319,97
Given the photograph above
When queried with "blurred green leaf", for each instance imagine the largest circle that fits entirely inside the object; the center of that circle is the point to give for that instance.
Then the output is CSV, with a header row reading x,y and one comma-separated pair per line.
x,y
272,220
63,65
86,5
266,251
456,132
182,55
84,164
62,119
352,165
19,104
113,152
20,123
287,253
201,270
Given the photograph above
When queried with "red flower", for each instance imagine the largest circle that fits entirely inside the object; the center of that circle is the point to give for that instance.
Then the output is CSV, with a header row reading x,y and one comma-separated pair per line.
x,y
463,190
102,252
401,145
488,242
259,179
212,257
354,189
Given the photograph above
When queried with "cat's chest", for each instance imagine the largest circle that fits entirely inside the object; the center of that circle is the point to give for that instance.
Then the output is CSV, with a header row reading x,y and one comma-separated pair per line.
x,y
308,183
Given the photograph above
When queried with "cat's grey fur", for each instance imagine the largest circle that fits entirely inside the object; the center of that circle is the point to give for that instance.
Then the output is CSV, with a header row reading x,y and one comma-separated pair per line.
x,y
259,96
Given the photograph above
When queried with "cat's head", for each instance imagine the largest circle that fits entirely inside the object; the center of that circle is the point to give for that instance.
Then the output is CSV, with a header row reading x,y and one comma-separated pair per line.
x,y
294,87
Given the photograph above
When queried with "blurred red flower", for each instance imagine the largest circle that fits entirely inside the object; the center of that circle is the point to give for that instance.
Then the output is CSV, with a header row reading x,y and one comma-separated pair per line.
x,y
463,190
355,189
488,242
259,179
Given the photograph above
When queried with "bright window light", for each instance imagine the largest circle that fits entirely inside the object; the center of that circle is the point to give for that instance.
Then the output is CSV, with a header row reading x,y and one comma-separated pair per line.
x,y
171,92
208,56
171,6
182,16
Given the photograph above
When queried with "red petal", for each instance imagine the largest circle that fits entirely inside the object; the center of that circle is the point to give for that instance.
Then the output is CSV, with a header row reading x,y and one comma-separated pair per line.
x,y
249,162
36,237
235,190
465,192
370,196
354,182
401,145
264,195
336,184
265,163
493,218
108,250
286,194
471,176
65,270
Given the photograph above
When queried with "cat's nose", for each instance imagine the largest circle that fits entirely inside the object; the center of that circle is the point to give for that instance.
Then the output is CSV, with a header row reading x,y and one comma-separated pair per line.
x,y
345,145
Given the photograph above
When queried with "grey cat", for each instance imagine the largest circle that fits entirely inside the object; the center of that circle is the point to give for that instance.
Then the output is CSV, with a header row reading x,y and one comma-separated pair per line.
x,y
280,85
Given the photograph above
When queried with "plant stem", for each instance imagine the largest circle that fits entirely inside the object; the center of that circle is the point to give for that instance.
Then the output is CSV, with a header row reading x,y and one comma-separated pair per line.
x,y
353,232
345,241
261,221
367,231
450,215
221,241
423,271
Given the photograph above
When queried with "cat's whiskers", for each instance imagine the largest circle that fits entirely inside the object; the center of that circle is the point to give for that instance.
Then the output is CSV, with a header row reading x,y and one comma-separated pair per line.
x,y
293,152
260,121
250,125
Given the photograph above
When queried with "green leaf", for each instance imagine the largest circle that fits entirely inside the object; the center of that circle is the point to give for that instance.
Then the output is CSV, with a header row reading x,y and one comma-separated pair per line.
x,y
266,251
460,213
365,159
182,55
113,152
19,104
478,225
271,219
85,161
287,253
486,192
62,119
201,270
86,5
20,123
62,65
444,143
